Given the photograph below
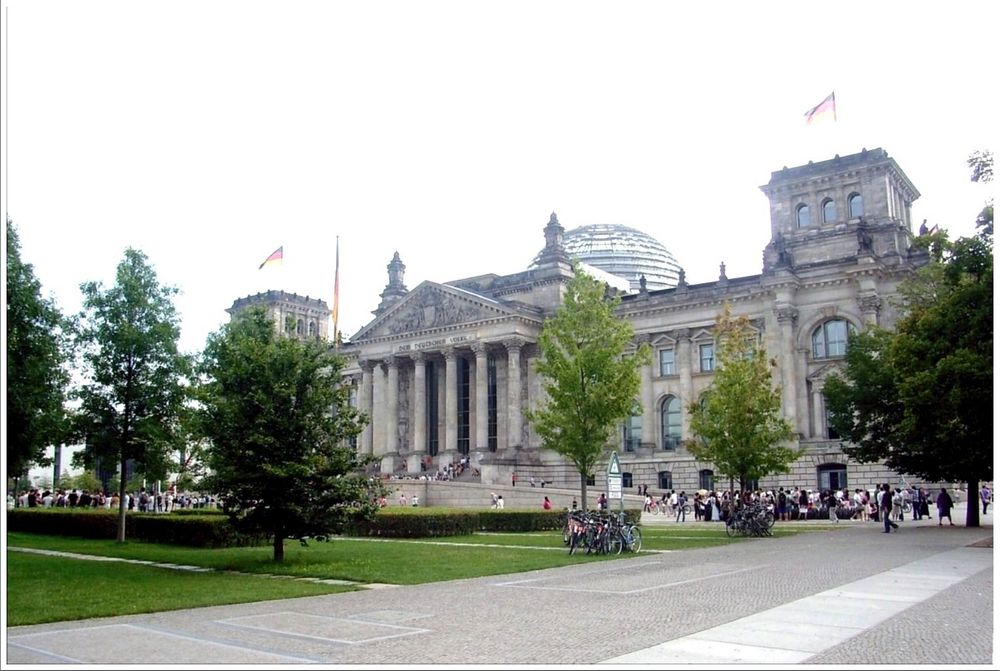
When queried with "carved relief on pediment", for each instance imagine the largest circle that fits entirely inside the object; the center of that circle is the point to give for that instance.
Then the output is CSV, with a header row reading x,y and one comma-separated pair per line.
x,y
433,308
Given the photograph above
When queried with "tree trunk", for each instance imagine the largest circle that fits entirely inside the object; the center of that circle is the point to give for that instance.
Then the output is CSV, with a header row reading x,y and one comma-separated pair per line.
x,y
972,506
583,491
279,544
122,484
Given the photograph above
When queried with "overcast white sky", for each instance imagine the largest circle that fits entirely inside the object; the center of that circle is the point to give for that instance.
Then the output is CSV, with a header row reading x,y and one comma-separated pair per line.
x,y
207,133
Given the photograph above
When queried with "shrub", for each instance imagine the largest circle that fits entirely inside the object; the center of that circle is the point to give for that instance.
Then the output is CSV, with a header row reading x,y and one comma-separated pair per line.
x,y
210,530
417,523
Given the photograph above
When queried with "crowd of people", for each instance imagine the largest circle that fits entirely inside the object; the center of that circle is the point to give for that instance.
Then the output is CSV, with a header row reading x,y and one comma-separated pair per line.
x,y
800,503
140,501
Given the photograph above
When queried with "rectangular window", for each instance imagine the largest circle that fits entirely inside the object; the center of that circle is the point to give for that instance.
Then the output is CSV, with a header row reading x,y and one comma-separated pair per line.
x,y
667,361
431,384
491,403
707,353
464,407
633,433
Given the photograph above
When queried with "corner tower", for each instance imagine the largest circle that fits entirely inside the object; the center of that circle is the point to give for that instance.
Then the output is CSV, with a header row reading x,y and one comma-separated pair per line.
x,y
839,209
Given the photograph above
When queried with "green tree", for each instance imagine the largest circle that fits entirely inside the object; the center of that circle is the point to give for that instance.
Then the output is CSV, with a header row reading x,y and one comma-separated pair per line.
x,y
921,399
135,374
589,375
279,422
737,423
37,378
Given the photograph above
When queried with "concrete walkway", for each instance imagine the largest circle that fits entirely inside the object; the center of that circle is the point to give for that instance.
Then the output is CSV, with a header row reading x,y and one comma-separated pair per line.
x,y
923,595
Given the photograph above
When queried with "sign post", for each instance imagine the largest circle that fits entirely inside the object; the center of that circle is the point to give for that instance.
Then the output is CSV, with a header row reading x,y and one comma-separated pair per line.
x,y
615,481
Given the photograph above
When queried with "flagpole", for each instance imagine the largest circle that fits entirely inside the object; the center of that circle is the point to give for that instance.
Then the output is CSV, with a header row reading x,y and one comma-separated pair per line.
x,y
336,295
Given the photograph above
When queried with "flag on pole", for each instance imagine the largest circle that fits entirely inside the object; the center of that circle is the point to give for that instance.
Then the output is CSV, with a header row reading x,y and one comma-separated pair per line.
x,y
274,259
825,111
336,291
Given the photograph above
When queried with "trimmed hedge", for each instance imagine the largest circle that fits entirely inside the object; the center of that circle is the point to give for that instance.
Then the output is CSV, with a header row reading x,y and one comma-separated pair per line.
x,y
213,530
205,531
417,523
430,522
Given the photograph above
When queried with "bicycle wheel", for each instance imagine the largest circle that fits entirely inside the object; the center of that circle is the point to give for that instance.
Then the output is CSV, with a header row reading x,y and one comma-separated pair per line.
x,y
731,529
634,539
616,542
574,541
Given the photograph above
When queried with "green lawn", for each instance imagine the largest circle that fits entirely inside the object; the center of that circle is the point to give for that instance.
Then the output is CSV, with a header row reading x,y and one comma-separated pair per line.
x,y
67,587
52,589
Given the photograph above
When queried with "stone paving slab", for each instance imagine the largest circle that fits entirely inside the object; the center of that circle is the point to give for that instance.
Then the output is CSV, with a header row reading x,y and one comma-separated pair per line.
x,y
589,613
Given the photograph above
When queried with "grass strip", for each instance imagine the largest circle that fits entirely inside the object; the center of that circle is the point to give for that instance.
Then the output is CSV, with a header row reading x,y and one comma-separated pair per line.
x,y
52,589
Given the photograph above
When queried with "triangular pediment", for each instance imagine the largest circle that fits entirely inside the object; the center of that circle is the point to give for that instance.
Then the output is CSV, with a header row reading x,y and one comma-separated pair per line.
x,y
432,306
825,370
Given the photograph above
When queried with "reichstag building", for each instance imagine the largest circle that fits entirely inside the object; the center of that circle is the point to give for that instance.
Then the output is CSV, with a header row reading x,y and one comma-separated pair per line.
x,y
447,370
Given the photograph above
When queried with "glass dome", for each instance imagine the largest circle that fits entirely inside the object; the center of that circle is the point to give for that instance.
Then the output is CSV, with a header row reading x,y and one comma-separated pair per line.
x,y
624,252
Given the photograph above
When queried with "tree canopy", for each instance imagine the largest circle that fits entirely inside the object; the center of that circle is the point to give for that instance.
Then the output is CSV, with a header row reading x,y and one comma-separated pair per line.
x,y
36,375
737,423
279,425
590,375
921,398
134,392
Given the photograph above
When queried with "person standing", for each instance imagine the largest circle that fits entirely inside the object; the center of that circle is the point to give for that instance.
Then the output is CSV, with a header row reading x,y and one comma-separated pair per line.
x,y
681,502
985,495
944,506
885,509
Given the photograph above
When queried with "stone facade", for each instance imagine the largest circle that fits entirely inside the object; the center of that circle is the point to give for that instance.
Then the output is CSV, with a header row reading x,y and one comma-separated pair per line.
x,y
446,370
300,316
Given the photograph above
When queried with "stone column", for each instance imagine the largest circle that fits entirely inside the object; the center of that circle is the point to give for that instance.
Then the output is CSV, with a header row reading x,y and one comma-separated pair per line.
x,y
646,397
392,406
870,305
787,316
513,346
365,406
684,371
482,397
378,411
419,412
802,393
450,404
819,420
533,392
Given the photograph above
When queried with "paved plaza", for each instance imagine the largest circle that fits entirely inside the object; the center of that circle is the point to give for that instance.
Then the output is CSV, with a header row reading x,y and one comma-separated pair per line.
x,y
853,596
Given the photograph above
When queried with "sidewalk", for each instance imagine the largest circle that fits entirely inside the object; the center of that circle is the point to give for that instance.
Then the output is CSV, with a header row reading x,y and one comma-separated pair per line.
x,y
850,596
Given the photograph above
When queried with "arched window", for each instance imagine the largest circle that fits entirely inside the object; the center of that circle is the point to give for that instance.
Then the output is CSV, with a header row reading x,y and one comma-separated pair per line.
x,y
855,205
829,211
312,328
300,327
830,338
633,433
670,422
706,479
831,476
665,479
802,215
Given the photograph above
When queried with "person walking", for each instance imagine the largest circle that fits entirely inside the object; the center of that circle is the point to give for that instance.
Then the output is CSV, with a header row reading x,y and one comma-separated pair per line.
x,y
682,500
985,495
944,506
885,509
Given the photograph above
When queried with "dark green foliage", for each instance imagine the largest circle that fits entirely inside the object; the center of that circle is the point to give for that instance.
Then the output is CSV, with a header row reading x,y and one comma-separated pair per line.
x,y
36,377
131,402
430,522
921,399
279,424
590,375
204,530
419,523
